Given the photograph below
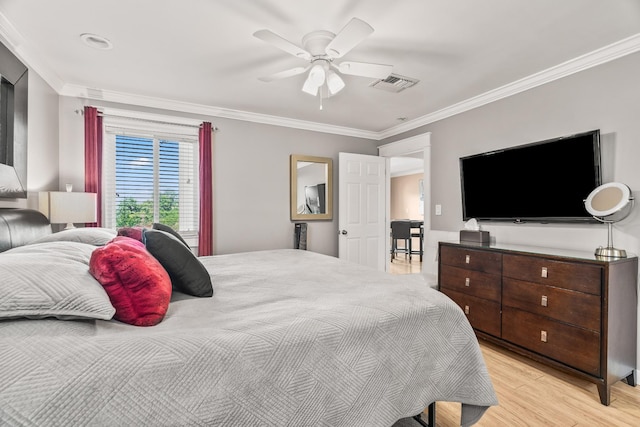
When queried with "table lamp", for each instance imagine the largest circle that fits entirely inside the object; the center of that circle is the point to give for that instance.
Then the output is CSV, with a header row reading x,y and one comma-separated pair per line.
x,y
68,207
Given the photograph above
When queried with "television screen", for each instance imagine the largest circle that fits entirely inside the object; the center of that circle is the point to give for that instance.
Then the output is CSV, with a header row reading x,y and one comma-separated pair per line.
x,y
545,181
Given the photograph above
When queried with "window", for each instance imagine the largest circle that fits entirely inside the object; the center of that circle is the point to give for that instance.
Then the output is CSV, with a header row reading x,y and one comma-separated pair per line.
x,y
150,175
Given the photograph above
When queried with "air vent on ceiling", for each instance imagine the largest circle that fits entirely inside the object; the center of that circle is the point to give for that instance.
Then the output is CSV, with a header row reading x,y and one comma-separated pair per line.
x,y
394,83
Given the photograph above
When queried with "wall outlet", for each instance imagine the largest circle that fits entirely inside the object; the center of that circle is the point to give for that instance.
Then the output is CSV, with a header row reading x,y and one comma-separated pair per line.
x,y
438,209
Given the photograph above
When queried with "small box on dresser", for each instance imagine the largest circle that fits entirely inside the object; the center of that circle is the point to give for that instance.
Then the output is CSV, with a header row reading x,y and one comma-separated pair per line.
x,y
478,237
563,308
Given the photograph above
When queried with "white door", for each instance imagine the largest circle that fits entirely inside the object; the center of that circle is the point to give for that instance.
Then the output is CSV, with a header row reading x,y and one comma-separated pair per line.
x,y
361,209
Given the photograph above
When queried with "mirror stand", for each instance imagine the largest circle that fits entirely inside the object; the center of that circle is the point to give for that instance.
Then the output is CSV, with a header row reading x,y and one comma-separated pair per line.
x,y
610,251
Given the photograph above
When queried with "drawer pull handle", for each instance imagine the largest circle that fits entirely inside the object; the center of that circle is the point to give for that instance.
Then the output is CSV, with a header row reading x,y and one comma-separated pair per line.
x,y
543,336
467,259
544,272
543,301
466,309
467,282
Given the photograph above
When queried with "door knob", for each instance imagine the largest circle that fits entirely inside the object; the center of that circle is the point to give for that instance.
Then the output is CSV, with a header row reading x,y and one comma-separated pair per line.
x,y
343,232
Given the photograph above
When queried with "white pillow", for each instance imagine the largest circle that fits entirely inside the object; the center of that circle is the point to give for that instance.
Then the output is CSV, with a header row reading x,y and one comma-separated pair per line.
x,y
51,280
91,235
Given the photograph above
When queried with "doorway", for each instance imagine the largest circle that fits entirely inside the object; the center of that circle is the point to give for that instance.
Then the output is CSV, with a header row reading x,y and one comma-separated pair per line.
x,y
407,187
418,146
407,203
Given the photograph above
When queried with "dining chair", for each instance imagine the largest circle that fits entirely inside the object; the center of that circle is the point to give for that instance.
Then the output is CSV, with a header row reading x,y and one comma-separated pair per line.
x,y
420,236
400,230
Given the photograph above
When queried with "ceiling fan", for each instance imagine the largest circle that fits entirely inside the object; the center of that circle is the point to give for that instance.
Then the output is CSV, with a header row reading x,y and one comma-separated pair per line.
x,y
320,49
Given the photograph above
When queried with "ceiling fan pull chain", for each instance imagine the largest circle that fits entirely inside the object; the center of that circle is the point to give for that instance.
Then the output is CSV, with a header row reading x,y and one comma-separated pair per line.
x,y
321,97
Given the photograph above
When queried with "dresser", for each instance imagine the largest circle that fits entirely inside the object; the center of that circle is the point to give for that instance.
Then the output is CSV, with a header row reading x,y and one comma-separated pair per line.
x,y
563,308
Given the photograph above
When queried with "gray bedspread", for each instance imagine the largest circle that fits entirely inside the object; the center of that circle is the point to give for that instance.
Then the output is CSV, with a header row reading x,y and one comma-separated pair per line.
x,y
290,338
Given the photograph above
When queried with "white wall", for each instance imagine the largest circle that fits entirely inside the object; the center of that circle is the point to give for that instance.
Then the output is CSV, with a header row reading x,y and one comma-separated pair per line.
x,y
250,179
606,97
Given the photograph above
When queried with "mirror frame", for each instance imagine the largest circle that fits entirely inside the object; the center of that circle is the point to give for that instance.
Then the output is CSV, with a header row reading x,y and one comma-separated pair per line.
x,y
13,174
295,216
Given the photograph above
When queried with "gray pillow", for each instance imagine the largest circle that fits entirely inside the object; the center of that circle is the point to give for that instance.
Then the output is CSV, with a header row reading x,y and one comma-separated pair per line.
x,y
51,279
187,273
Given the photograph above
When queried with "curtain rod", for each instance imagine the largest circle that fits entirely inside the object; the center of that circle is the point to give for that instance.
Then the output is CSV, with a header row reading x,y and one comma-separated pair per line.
x,y
162,122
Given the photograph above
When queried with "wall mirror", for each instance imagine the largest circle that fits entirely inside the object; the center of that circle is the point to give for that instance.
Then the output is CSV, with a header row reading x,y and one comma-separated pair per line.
x,y
14,82
311,188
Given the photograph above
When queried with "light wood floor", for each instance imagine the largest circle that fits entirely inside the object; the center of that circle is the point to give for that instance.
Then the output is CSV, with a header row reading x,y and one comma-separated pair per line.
x,y
532,394
402,265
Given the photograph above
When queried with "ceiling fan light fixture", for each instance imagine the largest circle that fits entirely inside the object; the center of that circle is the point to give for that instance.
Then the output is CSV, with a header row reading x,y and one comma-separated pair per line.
x,y
317,75
309,87
334,82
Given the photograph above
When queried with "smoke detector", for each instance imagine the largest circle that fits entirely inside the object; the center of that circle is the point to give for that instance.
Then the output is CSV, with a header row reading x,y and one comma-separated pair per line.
x,y
394,83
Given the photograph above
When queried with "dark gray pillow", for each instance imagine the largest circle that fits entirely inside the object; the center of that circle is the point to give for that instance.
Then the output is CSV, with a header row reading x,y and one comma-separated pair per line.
x,y
187,273
166,228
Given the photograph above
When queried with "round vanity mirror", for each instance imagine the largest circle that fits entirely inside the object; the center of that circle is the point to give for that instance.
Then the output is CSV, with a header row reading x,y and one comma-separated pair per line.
x,y
608,199
609,203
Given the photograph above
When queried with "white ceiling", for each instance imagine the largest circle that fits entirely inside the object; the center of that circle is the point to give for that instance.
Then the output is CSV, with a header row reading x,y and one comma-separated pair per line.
x,y
200,56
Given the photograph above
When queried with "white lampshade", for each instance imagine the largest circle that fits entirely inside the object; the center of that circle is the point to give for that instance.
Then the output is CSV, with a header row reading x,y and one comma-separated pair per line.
x,y
315,79
317,75
309,87
334,82
68,207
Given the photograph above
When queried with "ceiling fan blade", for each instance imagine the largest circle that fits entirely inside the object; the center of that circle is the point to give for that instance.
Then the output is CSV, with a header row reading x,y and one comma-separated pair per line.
x,y
281,43
284,74
353,33
365,69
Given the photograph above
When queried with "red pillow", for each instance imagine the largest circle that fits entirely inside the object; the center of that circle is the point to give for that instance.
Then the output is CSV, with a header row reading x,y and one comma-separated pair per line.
x,y
138,286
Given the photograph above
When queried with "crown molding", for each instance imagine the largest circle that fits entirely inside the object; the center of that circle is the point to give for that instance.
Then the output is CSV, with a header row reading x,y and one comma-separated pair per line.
x,y
597,57
14,41
206,110
9,35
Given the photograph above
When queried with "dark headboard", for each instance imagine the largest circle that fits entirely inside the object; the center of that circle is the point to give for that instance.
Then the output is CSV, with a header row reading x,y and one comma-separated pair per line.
x,y
21,226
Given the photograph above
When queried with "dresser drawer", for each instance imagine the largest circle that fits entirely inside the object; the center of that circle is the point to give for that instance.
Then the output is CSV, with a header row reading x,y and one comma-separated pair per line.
x,y
476,283
573,307
483,315
478,260
574,346
575,276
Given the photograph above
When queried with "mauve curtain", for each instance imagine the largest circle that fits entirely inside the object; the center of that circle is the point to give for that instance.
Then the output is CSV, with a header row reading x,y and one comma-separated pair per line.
x,y
205,238
93,158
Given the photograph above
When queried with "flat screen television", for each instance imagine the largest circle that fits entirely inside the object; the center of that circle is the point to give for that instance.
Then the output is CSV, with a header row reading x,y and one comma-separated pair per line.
x,y
545,181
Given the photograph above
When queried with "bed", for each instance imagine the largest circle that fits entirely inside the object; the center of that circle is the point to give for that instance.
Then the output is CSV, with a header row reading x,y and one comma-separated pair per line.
x,y
289,338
